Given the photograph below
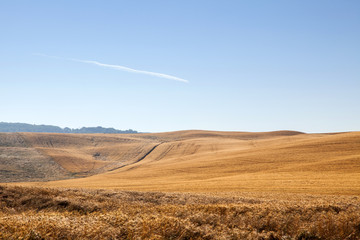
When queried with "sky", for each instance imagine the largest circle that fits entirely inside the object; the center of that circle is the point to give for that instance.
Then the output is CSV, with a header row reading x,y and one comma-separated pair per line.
x,y
164,65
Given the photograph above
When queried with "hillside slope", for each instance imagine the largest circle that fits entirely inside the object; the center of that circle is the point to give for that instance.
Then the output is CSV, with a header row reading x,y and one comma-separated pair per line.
x,y
21,162
53,156
205,161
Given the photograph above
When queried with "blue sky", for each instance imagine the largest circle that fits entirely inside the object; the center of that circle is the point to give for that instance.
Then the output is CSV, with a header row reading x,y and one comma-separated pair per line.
x,y
250,65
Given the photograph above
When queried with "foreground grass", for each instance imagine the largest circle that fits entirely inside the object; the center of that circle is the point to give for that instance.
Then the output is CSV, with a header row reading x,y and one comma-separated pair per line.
x,y
39,213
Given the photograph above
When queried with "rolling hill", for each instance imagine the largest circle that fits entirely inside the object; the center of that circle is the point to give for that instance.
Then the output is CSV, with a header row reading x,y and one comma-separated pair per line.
x,y
187,161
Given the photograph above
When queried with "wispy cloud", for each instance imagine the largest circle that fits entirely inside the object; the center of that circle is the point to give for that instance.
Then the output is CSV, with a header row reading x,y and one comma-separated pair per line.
x,y
119,67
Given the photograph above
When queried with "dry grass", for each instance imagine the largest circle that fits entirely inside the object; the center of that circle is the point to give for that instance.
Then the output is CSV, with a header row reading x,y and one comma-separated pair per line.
x,y
39,213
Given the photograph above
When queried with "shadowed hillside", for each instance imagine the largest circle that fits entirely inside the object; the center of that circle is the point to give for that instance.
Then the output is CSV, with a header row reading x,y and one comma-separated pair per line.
x,y
21,162
50,156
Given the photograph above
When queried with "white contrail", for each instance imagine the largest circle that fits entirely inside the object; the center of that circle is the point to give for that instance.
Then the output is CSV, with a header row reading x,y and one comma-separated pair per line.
x,y
118,67
122,68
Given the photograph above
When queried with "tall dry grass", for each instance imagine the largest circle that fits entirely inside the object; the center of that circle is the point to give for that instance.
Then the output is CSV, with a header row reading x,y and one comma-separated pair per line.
x,y
39,213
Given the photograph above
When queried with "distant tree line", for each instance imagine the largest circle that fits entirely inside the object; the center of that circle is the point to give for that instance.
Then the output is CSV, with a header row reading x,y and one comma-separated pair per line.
x,y
24,127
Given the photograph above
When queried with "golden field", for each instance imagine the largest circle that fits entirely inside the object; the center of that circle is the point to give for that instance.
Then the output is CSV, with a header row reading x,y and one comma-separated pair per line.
x,y
204,161
180,185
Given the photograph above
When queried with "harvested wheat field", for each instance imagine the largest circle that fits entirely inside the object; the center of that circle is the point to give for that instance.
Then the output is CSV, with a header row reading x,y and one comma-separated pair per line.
x,y
204,161
180,185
